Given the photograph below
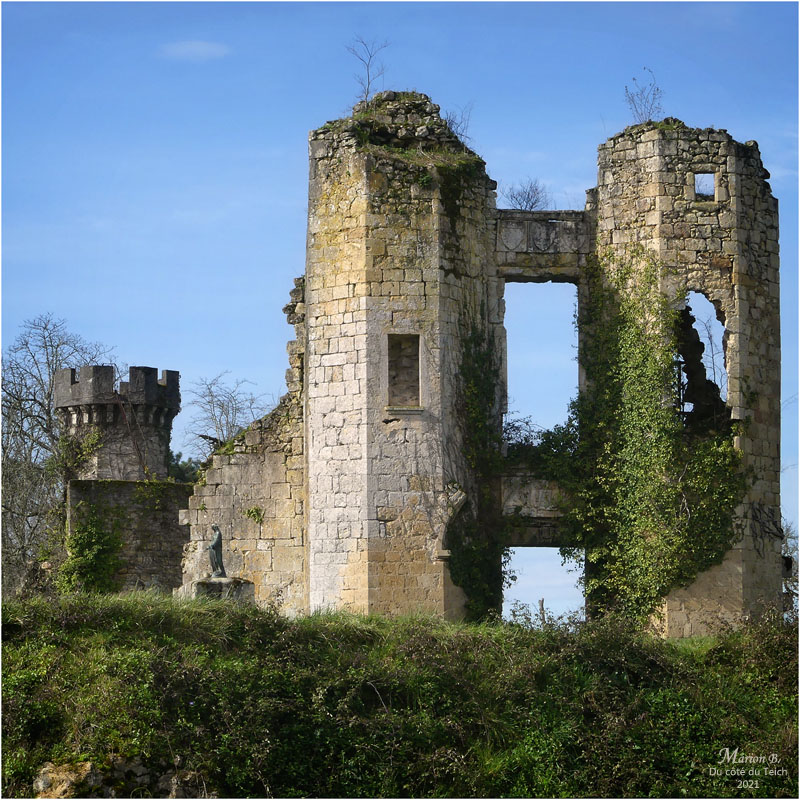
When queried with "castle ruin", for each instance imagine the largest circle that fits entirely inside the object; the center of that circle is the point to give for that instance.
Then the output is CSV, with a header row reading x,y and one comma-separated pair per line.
x,y
343,495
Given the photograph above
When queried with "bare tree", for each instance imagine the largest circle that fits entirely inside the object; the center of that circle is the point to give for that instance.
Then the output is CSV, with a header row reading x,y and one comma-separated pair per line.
x,y
33,474
644,100
529,195
713,356
222,410
458,121
372,69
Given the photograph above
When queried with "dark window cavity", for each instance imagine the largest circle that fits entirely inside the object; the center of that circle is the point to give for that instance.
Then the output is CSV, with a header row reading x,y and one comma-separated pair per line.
x,y
701,374
404,369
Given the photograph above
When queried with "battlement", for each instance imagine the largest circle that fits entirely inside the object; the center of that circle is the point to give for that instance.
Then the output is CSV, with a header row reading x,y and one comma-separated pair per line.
x,y
95,385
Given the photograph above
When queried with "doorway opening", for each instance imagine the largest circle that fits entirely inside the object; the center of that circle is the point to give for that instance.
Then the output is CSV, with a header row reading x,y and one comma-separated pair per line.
x,y
542,347
542,375
542,581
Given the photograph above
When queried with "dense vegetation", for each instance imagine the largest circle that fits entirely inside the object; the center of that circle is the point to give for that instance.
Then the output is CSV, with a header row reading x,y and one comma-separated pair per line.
x,y
337,705
649,496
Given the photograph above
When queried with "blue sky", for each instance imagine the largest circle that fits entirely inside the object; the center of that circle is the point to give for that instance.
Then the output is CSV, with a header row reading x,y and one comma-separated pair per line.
x,y
155,159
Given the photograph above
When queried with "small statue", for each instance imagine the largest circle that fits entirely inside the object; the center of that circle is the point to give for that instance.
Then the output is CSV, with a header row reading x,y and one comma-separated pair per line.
x,y
215,554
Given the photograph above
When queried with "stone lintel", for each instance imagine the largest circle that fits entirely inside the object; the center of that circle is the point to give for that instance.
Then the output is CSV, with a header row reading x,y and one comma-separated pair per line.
x,y
533,246
539,268
531,505
537,532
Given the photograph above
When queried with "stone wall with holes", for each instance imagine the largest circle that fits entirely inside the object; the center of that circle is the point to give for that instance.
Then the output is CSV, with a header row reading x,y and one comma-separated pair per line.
x,y
254,489
341,498
723,244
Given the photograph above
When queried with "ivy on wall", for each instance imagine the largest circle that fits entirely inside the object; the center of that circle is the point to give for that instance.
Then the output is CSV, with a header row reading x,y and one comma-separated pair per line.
x,y
93,544
73,451
69,457
650,502
478,536
152,494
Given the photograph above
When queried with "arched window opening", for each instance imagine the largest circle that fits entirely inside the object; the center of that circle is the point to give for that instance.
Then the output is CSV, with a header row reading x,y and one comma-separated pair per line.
x,y
701,379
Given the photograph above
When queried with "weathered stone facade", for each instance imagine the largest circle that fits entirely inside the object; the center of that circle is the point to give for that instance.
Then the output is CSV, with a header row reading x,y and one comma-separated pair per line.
x,y
342,497
395,271
256,495
724,246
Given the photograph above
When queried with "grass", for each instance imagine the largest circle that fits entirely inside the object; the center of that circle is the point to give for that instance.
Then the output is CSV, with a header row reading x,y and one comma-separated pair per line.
x,y
339,705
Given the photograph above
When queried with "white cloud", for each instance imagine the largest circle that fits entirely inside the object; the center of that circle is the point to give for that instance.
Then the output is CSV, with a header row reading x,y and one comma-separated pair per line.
x,y
194,50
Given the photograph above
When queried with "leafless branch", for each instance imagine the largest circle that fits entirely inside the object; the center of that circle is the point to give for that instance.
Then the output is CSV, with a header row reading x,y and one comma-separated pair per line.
x,y
529,195
222,410
644,100
366,53
458,121
33,490
713,356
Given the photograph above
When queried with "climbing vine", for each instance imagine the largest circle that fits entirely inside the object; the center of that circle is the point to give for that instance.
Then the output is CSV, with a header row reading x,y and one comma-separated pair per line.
x,y
73,451
69,457
255,513
93,544
650,502
478,538
151,493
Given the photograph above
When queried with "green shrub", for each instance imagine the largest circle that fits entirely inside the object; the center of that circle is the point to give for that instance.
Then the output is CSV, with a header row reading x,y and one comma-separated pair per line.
x,y
93,544
335,705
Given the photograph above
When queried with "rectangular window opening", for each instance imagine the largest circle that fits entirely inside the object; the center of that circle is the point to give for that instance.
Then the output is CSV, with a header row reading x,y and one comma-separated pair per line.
x,y
704,186
404,370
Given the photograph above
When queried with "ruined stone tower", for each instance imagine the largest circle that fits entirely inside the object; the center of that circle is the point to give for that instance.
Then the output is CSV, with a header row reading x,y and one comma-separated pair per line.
x,y
359,470
120,488
349,493
724,245
395,276
135,423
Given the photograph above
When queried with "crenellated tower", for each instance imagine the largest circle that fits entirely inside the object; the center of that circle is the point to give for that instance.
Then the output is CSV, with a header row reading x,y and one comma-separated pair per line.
x,y
134,421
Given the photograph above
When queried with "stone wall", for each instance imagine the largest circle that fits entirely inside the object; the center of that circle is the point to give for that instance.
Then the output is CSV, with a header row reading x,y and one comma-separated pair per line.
x,y
342,497
254,490
398,245
255,494
538,246
119,482
144,514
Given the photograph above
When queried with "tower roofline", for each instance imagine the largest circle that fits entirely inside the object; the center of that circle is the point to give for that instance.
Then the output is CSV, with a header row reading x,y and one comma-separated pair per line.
x,y
94,384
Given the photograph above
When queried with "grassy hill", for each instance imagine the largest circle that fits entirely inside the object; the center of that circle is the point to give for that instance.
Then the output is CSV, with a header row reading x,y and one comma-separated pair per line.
x,y
242,702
